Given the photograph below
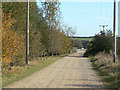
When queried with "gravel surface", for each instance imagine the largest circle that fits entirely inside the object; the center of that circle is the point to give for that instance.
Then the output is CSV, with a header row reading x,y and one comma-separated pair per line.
x,y
73,71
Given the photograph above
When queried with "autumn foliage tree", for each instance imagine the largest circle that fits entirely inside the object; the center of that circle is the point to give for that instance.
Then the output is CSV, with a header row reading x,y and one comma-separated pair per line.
x,y
10,41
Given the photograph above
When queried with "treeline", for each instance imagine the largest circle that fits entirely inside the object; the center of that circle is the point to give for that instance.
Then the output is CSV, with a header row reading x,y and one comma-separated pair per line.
x,y
46,36
80,43
80,37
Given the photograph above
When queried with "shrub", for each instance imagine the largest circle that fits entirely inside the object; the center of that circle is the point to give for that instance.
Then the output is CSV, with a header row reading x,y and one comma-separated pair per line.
x,y
101,42
106,66
105,61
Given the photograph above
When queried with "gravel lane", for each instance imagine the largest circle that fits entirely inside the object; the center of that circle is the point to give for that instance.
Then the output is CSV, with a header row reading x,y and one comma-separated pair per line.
x,y
73,71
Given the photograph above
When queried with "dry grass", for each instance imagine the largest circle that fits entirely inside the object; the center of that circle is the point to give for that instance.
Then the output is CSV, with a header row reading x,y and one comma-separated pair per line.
x,y
108,69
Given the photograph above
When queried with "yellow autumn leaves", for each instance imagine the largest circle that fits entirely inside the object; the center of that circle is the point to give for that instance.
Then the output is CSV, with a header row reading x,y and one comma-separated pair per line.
x,y
10,41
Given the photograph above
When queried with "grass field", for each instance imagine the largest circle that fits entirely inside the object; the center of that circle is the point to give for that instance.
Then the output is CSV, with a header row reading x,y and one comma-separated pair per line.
x,y
85,39
19,72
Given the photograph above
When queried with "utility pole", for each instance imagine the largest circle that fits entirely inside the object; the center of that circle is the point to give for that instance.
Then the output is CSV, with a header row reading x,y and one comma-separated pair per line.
x,y
114,29
27,34
103,26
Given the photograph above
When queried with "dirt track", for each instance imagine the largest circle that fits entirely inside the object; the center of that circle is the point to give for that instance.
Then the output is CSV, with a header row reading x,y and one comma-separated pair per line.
x,y
73,71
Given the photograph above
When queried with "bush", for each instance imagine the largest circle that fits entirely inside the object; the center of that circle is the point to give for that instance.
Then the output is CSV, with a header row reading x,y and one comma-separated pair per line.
x,y
101,42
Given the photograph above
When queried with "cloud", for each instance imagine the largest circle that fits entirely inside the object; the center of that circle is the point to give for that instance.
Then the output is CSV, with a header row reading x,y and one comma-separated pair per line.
x,y
104,18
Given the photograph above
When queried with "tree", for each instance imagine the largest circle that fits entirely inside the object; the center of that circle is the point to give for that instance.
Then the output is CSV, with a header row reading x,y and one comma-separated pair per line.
x,y
45,37
18,12
56,42
11,43
77,43
52,12
101,42
69,30
37,23
67,43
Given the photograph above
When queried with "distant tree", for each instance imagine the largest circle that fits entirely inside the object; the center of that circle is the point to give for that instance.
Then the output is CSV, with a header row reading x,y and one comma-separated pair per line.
x,y
67,43
69,30
56,42
77,43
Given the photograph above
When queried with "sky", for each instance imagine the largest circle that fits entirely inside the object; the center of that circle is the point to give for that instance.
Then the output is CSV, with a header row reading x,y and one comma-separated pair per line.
x,y
87,16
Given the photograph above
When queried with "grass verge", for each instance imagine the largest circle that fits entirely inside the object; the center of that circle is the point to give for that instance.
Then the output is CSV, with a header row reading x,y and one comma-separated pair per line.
x,y
110,80
19,72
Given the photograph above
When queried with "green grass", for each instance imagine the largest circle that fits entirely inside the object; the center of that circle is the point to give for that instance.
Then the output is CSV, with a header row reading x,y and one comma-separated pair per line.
x,y
110,81
85,39
18,73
